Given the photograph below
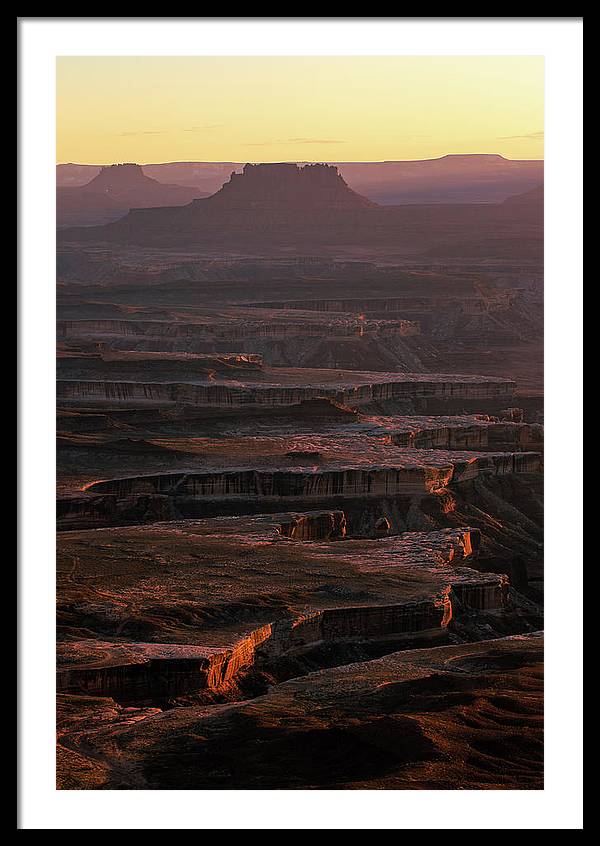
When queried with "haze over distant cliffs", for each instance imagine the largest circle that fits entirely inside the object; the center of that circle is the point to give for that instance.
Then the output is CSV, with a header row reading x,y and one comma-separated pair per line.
x,y
533,197
274,208
449,179
115,190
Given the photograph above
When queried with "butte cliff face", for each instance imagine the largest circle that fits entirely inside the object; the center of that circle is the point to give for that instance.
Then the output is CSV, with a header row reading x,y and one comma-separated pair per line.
x,y
288,186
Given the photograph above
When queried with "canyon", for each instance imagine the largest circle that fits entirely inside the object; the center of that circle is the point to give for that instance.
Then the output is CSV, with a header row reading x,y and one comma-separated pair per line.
x,y
377,724
300,454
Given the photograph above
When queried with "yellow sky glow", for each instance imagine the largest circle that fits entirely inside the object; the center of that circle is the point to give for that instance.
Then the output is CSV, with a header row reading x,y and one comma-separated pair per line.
x,y
261,109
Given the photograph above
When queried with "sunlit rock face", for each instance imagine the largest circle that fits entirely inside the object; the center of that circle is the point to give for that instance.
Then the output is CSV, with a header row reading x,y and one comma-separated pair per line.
x,y
324,526
477,432
413,585
431,718
412,473
241,474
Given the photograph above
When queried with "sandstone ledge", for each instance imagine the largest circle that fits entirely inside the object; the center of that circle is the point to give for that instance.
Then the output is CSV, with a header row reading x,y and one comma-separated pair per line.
x,y
167,581
464,717
291,388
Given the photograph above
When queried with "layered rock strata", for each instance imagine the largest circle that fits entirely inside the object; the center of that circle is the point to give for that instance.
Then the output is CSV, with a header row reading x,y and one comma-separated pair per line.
x,y
414,580
463,432
468,715
308,478
234,328
354,390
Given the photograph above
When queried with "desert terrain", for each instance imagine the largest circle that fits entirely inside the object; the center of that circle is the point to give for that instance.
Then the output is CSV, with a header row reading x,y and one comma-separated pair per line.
x,y
300,476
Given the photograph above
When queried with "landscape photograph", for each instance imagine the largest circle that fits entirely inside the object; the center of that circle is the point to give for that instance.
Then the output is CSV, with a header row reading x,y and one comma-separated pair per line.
x,y
300,423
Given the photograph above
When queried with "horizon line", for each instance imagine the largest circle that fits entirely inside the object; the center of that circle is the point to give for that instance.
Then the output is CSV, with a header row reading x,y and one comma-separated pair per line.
x,y
297,161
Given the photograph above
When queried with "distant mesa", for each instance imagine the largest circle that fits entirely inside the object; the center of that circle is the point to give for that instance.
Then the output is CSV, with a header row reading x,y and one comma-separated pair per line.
x,y
116,178
127,182
114,191
472,178
455,178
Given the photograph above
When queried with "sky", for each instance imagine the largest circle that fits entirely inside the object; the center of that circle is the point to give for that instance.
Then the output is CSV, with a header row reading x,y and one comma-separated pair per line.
x,y
265,109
